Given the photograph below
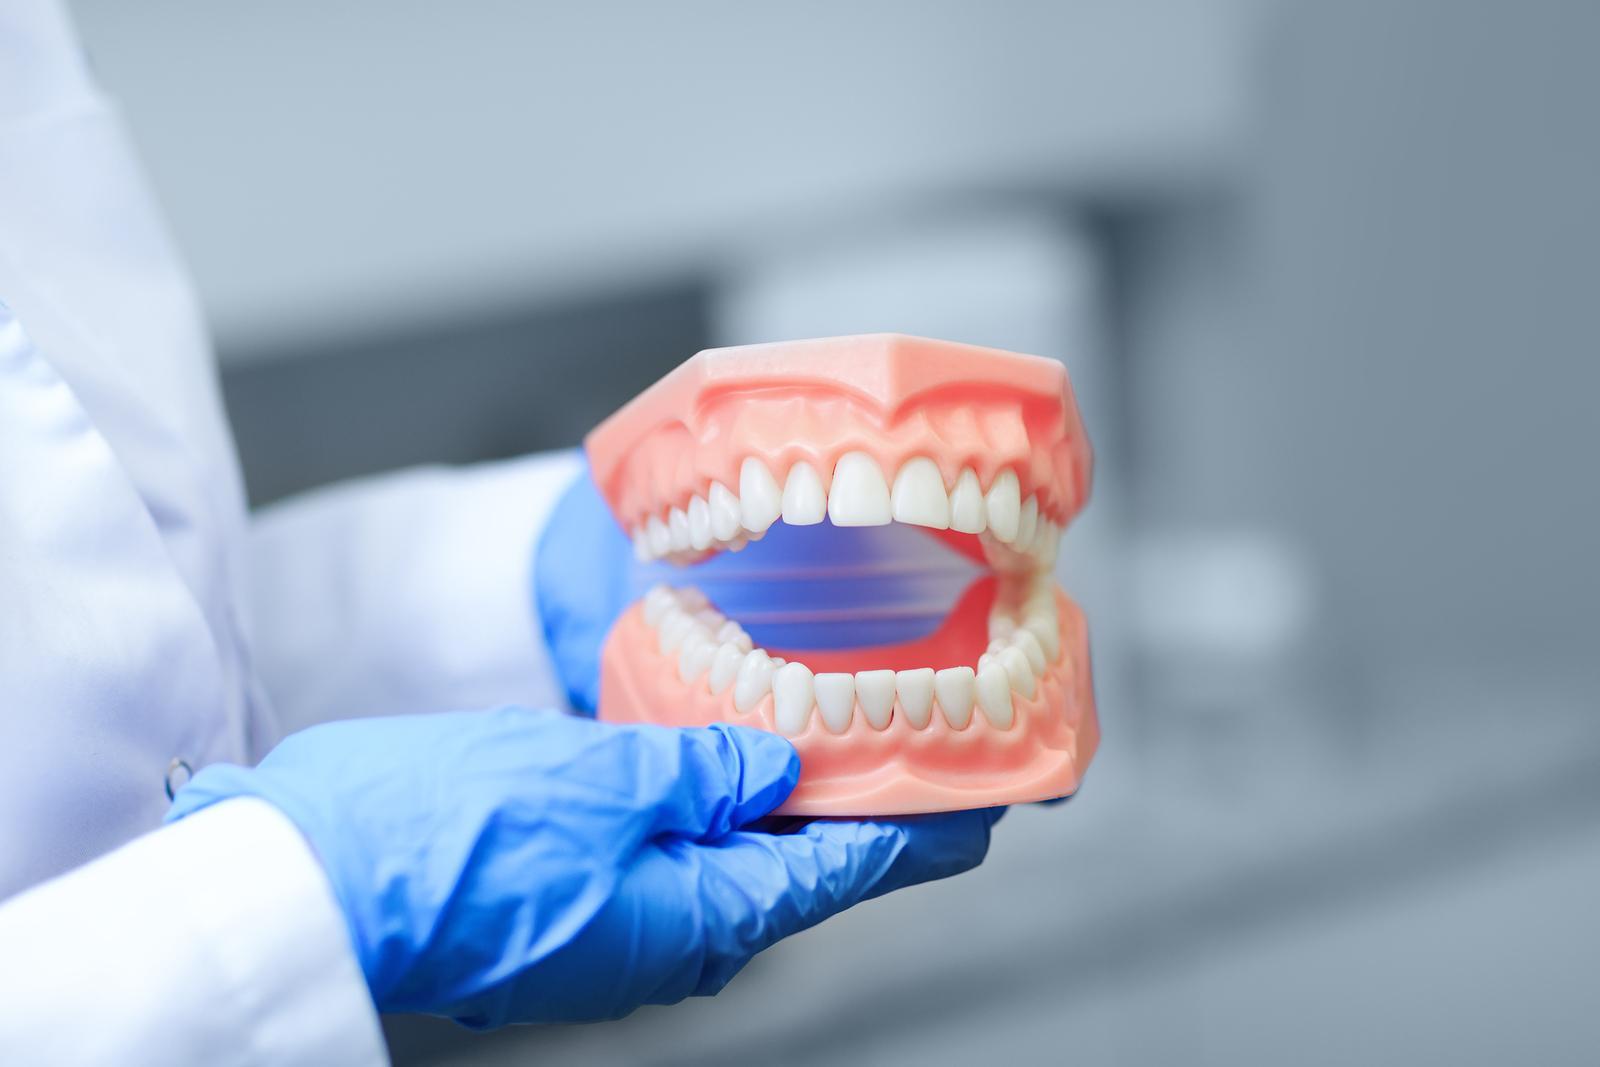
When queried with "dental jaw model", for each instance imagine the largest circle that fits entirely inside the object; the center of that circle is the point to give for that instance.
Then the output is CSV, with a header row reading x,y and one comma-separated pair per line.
x,y
981,448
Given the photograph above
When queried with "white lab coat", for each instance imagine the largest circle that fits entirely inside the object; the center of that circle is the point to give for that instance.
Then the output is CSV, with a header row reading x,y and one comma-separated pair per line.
x,y
146,620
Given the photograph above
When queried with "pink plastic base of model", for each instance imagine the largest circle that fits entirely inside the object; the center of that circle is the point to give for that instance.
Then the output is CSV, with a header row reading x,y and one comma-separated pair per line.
x,y
1000,464
895,771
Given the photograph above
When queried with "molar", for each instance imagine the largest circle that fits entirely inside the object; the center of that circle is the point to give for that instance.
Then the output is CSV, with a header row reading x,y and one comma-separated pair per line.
x,y
1046,541
1047,632
1031,648
804,503
919,496
858,496
731,633
656,602
695,658
675,626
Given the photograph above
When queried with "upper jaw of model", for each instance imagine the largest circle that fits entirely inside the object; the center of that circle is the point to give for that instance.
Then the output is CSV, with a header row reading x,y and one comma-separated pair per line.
x,y
981,446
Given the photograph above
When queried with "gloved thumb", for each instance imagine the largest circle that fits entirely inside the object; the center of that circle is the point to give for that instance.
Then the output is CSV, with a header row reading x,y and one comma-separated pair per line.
x,y
716,779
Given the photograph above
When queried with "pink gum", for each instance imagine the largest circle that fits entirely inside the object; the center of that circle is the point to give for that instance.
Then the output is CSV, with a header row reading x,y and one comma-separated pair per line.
x,y
897,771
889,396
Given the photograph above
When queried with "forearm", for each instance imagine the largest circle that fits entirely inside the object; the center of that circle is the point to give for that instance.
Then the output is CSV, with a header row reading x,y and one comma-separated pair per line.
x,y
407,592
216,940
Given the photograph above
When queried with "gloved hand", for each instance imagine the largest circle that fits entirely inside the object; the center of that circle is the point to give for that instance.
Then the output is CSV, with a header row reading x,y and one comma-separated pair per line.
x,y
520,866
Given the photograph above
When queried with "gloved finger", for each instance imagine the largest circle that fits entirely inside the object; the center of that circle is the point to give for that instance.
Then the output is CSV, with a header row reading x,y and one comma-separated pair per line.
x,y
710,781
778,885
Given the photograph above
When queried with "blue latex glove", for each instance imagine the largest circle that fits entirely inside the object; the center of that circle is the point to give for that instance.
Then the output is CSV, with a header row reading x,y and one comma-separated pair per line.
x,y
519,866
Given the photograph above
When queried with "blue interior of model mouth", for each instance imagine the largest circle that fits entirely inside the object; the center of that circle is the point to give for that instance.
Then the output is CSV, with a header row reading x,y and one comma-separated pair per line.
x,y
826,586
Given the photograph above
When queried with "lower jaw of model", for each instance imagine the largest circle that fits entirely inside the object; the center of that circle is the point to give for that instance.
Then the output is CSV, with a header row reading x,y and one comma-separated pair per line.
x,y
992,706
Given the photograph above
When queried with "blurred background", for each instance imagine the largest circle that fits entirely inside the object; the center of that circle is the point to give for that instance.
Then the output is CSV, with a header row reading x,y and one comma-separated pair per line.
x,y
1328,280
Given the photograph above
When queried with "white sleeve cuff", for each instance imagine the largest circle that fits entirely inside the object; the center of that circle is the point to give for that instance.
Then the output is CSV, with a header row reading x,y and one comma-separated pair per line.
x,y
215,940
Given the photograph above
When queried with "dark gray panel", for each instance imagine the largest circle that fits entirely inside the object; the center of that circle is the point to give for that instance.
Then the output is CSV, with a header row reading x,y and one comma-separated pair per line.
x,y
454,391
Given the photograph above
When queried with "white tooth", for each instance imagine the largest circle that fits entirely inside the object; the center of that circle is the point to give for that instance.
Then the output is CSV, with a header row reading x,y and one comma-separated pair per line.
x,y
1019,670
966,504
778,661
875,692
724,508
836,700
919,496
804,502
858,496
1047,544
760,499
954,687
1001,626
1041,529
1042,618
987,660
724,665
675,626
699,523
996,646
731,633
656,603
754,680
696,656
641,546
915,690
792,699
1031,648
710,618
1004,501
1048,633
678,529
660,538
1027,522
994,696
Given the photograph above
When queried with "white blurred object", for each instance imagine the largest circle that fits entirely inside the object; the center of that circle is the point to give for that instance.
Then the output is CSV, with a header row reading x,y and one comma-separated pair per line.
x,y
1244,593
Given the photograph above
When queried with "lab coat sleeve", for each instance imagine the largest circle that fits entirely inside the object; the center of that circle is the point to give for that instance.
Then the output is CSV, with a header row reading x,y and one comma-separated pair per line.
x,y
215,940
407,592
